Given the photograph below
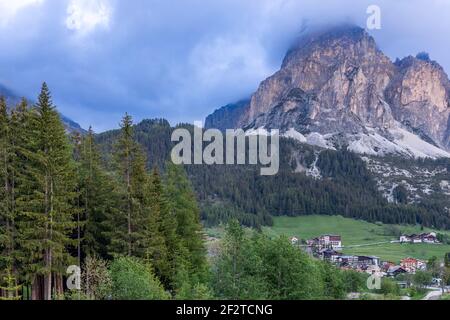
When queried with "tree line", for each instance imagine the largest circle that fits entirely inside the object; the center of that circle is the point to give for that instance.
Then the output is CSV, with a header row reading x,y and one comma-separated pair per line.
x,y
346,186
113,205
59,206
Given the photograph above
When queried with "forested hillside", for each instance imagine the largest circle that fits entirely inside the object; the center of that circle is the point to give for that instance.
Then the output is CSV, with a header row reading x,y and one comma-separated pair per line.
x,y
59,206
134,233
344,186
112,205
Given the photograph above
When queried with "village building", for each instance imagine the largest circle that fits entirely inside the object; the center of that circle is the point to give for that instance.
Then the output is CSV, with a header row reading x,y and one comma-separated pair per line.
x,y
430,238
374,269
294,240
358,263
326,242
411,265
368,260
395,271
330,255
348,261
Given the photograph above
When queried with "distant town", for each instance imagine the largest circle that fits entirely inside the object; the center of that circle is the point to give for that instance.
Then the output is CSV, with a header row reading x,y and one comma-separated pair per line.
x,y
329,248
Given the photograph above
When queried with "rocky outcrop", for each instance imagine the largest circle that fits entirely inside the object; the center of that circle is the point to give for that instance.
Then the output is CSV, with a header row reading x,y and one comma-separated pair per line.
x,y
339,83
228,116
344,72
420,98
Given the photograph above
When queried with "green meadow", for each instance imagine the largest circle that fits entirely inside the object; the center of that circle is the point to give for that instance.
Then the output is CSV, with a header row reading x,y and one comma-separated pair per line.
x,y
356,232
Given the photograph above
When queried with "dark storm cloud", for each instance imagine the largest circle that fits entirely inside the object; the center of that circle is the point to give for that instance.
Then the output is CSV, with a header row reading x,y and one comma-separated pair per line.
x,y
181,59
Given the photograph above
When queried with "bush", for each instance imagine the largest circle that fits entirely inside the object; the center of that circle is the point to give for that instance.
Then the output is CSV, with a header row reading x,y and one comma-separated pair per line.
x,y
134,280
189,287
389,287
422,279
354,281
254,266
96,279
392,230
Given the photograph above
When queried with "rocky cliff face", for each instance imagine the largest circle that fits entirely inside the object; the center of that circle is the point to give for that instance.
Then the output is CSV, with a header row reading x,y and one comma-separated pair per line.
x,y
227,116
338,87
420,98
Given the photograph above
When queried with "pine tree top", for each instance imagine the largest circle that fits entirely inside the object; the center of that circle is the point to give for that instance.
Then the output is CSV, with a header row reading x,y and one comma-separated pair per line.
x,y
45,102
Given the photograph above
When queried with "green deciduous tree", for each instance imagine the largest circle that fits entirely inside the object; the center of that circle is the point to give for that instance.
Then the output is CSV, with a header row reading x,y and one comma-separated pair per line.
x,y
237,271
135,280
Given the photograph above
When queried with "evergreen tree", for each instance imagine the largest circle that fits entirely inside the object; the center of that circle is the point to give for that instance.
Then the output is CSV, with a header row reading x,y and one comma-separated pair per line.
x,y
11,289
6,212
45,203
161,239
97,199
128,227
11,137
183,206
124,155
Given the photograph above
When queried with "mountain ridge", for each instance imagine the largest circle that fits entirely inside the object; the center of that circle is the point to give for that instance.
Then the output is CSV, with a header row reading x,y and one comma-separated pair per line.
x,y
12,98
338,86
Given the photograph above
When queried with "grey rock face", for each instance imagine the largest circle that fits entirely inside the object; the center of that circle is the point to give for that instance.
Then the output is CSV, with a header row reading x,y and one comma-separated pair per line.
x,y
227,116
420,98
339,82
345,73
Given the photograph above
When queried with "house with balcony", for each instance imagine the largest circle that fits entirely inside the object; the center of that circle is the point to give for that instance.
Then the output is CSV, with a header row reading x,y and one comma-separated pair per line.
x,y
327,241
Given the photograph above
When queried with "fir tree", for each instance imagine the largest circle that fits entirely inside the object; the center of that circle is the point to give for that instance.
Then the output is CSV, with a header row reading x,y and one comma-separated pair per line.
x,y
11,289
97,199
46,200
183,206
129,227
159,233
6,214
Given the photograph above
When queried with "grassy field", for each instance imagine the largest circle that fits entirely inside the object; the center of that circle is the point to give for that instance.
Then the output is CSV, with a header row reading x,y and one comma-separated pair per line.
x,y
355,232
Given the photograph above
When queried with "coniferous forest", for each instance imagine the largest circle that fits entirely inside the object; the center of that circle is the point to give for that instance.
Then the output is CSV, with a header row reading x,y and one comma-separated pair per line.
x,y
346,187
134,230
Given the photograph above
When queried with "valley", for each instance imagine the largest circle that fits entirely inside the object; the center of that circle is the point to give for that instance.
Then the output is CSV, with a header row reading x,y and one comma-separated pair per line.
x,y
357,232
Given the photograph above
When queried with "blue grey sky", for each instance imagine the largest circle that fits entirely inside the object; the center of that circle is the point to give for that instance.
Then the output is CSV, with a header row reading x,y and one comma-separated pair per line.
x,y
181,59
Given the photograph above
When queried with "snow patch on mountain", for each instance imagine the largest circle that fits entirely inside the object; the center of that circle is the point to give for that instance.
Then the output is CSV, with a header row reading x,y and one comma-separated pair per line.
x,y
373,144
397,141
294,134
416,146
316,139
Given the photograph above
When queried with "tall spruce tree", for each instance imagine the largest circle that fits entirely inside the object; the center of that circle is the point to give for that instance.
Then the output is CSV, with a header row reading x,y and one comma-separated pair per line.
x,y
97,198
129,227
45,203
183,206
6,211
20,136
162,242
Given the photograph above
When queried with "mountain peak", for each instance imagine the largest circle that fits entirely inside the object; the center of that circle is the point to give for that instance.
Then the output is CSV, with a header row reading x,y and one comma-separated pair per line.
x,y
336,83
343,35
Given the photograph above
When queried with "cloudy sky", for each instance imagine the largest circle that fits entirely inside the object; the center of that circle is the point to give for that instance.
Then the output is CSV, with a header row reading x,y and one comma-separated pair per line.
x,y
181,59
